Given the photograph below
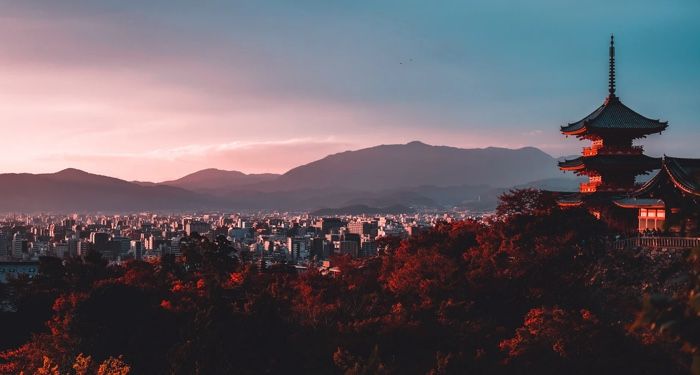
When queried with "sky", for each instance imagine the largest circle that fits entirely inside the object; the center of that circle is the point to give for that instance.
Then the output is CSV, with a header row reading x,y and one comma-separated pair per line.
x,y
155,90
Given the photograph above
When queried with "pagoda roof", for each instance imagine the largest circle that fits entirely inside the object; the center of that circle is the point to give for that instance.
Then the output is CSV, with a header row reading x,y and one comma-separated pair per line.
x,y
640,203
683,173
639,162
578,199
614,115
570,200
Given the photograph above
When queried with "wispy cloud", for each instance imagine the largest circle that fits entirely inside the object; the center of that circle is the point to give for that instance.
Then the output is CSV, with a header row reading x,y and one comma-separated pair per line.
x,y
533,132
206,150
167,163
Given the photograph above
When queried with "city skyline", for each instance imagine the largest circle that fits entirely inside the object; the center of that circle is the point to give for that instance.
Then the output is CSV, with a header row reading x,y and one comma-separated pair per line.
x,y
159,90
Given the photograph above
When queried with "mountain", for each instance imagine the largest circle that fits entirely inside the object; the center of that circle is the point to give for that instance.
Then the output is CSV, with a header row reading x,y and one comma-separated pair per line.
x,y
72,190
563,184
419,164
216,180
414,175
362,209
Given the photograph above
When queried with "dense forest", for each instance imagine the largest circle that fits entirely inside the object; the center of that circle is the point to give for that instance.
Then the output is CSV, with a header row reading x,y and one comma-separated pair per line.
x,y
534,290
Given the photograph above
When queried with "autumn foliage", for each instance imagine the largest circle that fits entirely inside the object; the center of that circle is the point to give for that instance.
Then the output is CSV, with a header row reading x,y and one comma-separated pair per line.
x,y
535,290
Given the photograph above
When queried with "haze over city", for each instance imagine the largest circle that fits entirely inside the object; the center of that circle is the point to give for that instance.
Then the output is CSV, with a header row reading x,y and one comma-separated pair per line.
x,y
153,91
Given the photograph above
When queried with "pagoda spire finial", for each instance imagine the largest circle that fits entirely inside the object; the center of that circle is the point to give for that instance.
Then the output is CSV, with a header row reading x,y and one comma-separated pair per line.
x,y
611,79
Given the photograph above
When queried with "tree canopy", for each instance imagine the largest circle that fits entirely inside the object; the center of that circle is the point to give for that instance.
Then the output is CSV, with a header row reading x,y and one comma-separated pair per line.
x,y
534,290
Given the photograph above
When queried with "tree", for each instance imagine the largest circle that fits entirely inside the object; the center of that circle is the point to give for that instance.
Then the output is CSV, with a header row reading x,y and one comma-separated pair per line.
x,y
525,202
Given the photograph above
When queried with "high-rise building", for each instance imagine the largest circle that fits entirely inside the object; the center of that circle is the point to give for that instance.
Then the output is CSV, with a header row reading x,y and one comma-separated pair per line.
x,y
122,244
298,248
198,227
351,248
20,246
136,249
368,248
175,245
84,247
4,246
61,249
99,241
363,228
329,224
320,248
72,243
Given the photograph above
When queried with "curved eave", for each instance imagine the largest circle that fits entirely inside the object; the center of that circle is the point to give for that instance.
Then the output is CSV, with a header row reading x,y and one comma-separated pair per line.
x,y
647,185
679,179
574,129
663,126
614,115
580,127
569,203
640,131
572,164
640,203
569,200
577,130
636,162
572,168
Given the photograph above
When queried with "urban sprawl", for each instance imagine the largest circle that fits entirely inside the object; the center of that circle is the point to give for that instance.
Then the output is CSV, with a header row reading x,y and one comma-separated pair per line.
x,y
266,239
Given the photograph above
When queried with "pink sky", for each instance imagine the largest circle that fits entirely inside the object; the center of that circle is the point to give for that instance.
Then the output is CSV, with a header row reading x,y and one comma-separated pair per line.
x,y
156,94
68,100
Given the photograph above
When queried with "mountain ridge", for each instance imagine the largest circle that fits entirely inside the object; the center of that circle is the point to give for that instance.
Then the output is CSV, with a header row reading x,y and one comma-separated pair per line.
x,y
417,163
213,179
413,174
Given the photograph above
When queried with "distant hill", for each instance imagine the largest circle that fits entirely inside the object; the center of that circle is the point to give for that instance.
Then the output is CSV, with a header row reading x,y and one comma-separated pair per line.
x,y
563,184
216,180
414,175
363,210
418,164
73,190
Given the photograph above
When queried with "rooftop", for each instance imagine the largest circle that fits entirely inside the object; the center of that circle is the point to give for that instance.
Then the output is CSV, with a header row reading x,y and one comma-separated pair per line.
x,y
638,162
613,114
683,173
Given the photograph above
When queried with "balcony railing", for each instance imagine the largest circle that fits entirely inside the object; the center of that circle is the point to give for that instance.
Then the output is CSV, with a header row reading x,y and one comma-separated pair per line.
x,y
590,151
589,187
612,150
657,243
615,188
592,187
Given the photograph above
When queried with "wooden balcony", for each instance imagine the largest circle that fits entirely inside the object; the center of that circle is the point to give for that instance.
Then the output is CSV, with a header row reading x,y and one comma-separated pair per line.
x,y
611,150
590,151
657,243
615,188
588,187
592,187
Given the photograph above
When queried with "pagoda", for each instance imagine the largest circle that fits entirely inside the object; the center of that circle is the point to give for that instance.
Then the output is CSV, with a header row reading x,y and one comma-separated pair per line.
x,y
612,161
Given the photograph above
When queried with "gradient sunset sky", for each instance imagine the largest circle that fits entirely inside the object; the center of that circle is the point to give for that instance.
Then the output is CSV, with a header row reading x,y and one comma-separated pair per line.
x,y
155,90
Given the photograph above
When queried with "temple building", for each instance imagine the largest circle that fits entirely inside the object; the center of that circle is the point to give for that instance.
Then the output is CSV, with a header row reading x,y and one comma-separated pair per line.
x,y
612,161
669,202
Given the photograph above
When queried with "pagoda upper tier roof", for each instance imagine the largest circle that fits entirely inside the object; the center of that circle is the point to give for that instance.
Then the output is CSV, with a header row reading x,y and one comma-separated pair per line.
x,y
683,173
608,162
578,199
613,114
572,200
640,203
